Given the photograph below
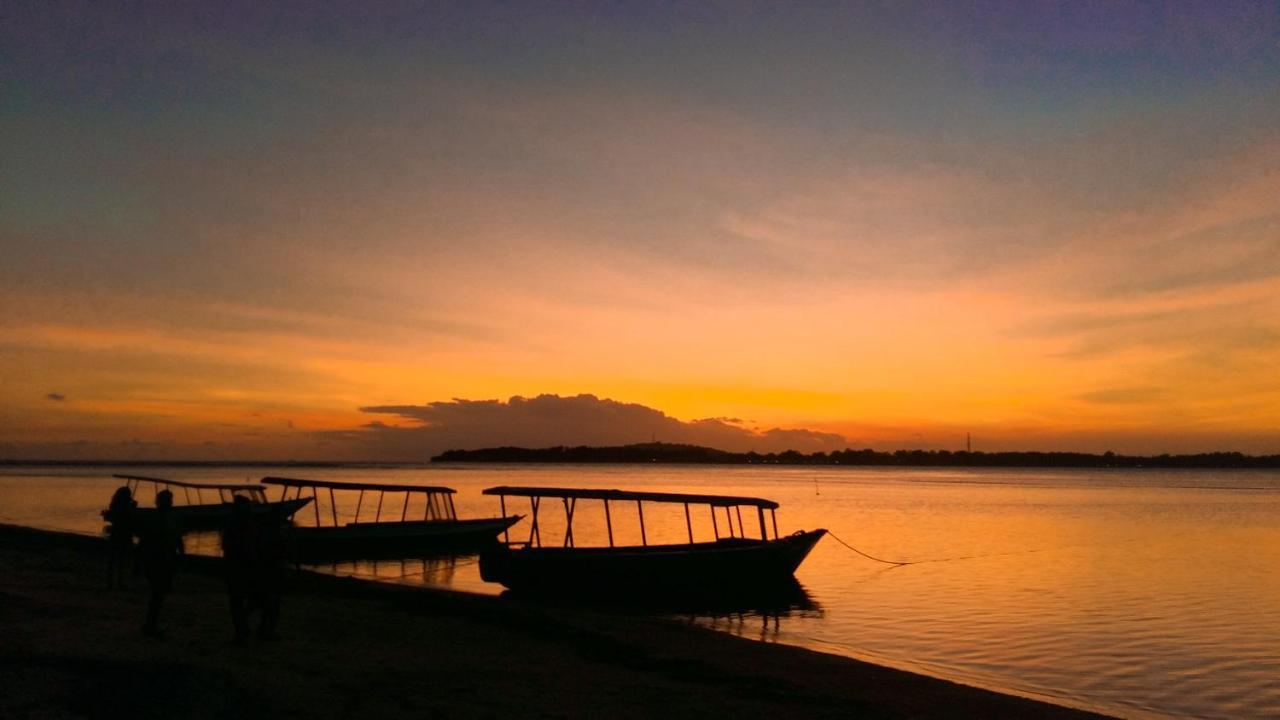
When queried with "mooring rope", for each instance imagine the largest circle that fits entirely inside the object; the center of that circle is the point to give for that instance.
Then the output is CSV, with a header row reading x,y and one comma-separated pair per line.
x,y
869,557
945,559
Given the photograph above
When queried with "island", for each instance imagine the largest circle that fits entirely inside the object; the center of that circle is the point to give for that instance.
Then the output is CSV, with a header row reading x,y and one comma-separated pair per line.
x,y
675,453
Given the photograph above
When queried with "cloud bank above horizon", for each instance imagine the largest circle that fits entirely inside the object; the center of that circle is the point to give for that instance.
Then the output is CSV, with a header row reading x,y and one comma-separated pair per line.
x,y
551,420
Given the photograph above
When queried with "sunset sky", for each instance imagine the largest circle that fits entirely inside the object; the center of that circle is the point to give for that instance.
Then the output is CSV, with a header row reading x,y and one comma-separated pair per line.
x,y
228,231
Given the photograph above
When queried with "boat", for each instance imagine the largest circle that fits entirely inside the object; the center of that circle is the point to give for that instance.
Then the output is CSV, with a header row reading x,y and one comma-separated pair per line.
x,y
733,563
196,510
391,533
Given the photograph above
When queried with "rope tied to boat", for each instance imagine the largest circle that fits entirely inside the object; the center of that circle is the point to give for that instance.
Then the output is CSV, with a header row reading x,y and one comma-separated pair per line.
x,y
869,557
952,559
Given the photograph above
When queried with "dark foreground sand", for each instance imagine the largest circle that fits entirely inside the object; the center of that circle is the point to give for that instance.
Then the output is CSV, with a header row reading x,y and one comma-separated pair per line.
x,y
69,648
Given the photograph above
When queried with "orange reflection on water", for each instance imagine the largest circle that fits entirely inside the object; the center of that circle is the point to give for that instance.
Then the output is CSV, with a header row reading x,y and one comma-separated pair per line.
x,y
1132,592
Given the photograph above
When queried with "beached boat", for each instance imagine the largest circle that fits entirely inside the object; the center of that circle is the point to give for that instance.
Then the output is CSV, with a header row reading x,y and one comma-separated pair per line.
x,y
432,529
206,506
731,563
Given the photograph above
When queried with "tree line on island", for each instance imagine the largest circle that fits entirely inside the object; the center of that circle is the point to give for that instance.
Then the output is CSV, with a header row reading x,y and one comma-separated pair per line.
x,y
658,452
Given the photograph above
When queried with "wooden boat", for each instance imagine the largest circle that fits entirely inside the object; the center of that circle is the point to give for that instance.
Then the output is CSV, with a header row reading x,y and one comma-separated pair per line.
x,y
207,506
731,563
389,534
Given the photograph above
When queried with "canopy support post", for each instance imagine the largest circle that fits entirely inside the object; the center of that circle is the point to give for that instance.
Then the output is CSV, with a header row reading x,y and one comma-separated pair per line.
x,y
688,522
764,534
405,512
333,507
644,540
533,529
453,511
774,515
315,503
608,522
359,502
568,520
378,515
502,506
715,527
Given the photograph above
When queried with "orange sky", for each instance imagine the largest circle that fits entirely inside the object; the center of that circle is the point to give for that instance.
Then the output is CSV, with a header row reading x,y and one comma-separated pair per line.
x,y
230,253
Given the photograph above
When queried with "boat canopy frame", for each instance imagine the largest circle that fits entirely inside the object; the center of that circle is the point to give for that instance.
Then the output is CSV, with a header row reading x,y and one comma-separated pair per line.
x,y
438,501
569,497
226,491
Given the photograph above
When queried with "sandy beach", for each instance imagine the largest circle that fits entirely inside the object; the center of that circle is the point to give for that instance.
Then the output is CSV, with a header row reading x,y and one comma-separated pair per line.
x,y
353,648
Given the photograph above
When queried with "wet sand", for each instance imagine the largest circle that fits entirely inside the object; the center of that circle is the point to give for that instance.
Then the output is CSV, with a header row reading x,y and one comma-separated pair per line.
x,y
350,648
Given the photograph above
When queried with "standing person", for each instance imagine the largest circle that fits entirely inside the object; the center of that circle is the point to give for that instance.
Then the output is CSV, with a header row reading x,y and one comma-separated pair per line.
x,y
160,547
239,560
272,560
121,518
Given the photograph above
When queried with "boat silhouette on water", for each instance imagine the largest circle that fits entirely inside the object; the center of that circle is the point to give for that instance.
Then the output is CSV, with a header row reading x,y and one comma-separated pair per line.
x,y
433,529
733,564
207,506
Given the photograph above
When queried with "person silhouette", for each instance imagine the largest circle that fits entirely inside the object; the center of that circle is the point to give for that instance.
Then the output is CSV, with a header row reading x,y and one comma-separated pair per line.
x,y
239,563
121,518
160,547
272,561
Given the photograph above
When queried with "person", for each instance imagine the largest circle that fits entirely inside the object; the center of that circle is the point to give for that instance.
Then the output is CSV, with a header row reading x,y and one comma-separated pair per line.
x,y
272,561
160,547
239,562
120,517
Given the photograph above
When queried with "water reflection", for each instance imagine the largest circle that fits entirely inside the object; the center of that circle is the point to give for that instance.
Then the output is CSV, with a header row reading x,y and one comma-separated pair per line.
x,y
761,624
758,618
1134,592
438,570
772,599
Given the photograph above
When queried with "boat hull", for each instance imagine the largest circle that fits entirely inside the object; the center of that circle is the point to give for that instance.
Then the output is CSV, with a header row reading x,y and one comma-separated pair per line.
x,y
727,565
396,539
214,516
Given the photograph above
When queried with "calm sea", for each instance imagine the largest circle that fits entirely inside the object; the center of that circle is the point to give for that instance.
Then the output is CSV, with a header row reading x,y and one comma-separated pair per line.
x,y
1139,593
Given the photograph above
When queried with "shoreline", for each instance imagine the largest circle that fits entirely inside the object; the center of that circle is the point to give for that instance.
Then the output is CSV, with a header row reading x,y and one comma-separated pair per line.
x,y
359,648
1251,463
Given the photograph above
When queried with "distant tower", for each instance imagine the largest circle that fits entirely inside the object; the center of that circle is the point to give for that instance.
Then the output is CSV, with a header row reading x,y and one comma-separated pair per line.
x,y
968,442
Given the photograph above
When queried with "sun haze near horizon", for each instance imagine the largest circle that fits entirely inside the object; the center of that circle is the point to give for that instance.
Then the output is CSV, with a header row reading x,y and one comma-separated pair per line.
x,y
376,231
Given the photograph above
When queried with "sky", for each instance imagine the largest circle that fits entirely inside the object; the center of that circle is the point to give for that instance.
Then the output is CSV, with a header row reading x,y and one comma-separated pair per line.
x,y
374,231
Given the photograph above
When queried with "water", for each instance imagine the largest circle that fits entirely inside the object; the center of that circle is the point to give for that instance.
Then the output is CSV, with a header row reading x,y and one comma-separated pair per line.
x,y
1137,593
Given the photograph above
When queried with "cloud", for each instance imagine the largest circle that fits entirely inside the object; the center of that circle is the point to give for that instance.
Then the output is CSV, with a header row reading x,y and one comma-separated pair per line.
x,y
1124,396
56,397
1215,227
551,420
923,223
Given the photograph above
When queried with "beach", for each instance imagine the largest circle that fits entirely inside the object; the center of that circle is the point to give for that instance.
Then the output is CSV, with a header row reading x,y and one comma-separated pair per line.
x,y
352,648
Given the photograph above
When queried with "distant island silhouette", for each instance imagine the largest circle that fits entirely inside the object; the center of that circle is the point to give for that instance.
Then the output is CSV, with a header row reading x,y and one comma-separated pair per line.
x,y
672,453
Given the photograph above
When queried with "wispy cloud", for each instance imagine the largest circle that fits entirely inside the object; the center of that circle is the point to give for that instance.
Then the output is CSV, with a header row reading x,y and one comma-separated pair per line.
x,y
1124,396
